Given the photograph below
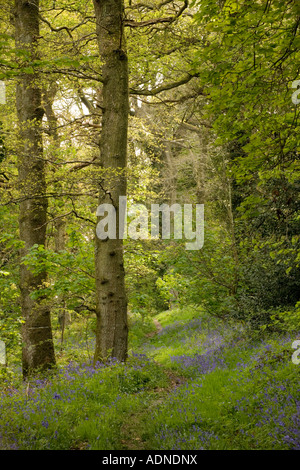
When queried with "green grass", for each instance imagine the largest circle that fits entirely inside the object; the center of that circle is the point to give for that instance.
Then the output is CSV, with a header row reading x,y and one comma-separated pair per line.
x,y
77,407
251,403
198,383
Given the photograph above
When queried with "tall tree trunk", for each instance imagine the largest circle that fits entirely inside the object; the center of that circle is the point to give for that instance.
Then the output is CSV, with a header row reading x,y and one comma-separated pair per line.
x,y
38,350
59,223
111,302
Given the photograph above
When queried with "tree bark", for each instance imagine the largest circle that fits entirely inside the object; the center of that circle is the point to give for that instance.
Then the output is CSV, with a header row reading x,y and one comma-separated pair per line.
x,y
59,223
38,349
111,302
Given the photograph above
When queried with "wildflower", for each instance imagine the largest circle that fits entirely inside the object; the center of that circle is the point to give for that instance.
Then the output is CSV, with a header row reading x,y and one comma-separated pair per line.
x,y
45,423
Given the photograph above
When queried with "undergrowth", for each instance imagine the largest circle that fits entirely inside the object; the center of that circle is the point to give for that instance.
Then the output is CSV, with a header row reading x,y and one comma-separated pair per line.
x,y
235,390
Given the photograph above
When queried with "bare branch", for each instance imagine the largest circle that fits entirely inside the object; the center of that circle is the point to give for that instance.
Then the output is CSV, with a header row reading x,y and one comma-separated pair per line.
x,y
90,106
142,24
83,165
164,87
192,128
168,19
62,28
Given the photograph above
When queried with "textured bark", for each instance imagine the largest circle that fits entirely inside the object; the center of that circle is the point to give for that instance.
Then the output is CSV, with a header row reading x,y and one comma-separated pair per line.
x,y
59,222
111,302
59,240
38,350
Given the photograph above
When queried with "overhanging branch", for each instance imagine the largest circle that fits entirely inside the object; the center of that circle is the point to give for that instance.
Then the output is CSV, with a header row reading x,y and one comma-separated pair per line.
x,y
164,87
154,21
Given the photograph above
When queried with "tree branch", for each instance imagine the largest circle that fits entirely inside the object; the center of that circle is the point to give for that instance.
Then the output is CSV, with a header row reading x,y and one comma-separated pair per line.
x,y
168,19
142,24
164,87
61,28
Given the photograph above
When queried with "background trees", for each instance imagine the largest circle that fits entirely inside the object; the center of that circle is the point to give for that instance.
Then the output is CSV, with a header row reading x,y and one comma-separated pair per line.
x,y
250,62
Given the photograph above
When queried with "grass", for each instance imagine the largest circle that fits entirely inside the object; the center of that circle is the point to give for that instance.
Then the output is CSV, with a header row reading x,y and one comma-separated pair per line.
x,y
195,382
78,406
240,394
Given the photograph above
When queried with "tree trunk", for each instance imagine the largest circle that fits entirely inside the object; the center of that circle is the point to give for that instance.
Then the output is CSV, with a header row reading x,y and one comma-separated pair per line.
x,y
59,223
38,350
111,302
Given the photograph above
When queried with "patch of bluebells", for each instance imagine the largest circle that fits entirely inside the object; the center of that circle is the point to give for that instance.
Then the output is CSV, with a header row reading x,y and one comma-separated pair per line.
x,y
211,340
281,428
178,438
74,369
280,412
273,405
185,428
201,363
186,329
40,405
213,357
38,409
291,432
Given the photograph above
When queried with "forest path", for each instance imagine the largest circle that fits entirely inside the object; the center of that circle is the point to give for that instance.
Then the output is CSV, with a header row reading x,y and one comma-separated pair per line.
x,y
158,329
134,430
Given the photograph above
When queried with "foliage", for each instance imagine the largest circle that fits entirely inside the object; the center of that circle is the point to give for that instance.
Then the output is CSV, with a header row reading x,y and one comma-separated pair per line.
x,y
79,406
248,67
212,121
231,392
10,319
242,393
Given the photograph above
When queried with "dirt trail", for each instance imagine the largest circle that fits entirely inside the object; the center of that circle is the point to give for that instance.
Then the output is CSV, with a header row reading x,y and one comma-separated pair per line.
x,y
158,329
134,430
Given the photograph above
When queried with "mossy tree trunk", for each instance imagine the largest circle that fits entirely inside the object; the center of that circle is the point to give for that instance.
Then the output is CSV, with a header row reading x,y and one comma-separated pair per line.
x,y
38,350
111,302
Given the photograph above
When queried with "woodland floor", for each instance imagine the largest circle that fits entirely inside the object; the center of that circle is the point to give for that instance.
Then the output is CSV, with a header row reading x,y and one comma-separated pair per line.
x,y
134,431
